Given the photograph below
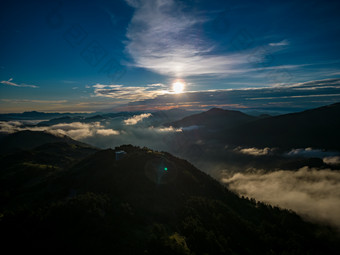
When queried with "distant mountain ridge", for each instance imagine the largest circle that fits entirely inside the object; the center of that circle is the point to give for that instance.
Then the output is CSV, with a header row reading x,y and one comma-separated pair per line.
x,y
214,118
34,115
317,127
156,118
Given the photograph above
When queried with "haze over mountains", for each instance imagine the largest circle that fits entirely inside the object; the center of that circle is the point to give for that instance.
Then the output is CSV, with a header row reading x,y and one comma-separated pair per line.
x,y
311,128
214,119
48,178
209,136
230,127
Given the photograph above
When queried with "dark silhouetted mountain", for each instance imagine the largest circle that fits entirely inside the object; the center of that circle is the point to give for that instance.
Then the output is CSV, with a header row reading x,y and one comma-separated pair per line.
x,y
64,119
34,115
148,202
96,118
215,119
71,119
156,118
264,116
316,128
28,115
27,168
31,139
312,128
122,114
166,116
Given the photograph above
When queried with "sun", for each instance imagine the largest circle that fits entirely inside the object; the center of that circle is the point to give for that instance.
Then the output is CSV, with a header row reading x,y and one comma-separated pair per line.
x,y
178,87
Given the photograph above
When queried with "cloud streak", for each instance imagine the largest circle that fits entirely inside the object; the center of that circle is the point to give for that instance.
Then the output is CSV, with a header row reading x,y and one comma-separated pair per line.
x,y
166,39
332,160
295,97
281,43
314,194
22,85
131,93
254,151
136,118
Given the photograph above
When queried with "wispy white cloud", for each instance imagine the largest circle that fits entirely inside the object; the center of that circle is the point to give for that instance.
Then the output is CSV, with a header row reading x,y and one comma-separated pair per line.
x,y
107,132
166,129
297,96
132,93
335,160
78,130
165,39
10,83
285,98
75,130
284,42
254,151
136,118
278,67
316,84
133,3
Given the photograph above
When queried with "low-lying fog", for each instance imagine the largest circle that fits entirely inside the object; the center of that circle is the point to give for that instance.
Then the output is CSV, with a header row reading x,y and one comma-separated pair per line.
x,y
305,180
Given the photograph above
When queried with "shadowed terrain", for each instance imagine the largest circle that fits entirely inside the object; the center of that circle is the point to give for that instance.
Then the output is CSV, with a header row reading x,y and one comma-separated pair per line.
x,y
64,197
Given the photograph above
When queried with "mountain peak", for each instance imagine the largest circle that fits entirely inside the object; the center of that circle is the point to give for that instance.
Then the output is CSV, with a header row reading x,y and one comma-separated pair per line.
x,y
215,118
215,109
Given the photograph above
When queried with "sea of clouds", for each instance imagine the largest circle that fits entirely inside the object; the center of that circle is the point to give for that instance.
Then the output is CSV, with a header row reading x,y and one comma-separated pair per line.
x,y
107,133
312,193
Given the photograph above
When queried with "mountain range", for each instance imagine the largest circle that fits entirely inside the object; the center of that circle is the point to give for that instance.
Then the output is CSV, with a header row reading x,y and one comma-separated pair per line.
x,y
214,119
156,118
61,196
311,128
34,115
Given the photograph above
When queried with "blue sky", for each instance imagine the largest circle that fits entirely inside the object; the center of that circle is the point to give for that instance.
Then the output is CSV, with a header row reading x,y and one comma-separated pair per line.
x,y
126,54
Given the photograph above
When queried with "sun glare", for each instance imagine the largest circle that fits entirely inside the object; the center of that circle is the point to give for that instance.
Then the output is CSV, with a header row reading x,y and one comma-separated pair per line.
x,y
178,87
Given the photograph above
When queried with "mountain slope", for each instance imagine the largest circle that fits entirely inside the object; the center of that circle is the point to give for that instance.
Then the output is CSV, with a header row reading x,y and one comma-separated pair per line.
x,y
26,168
312,128
166,116
30,139
215,118
146,203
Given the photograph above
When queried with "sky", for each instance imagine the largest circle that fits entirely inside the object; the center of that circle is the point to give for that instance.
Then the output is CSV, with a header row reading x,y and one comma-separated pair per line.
x,y
125,55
